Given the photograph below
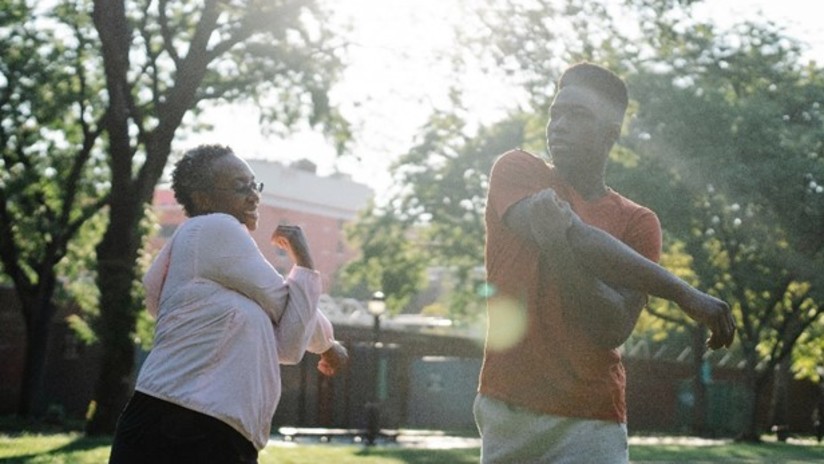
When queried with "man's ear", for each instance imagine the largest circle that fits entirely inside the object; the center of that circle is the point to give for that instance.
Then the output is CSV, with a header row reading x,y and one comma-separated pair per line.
x,y
613,132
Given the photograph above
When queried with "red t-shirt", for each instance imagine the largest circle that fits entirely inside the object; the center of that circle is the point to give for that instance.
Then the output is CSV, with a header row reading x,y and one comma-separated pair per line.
x,y
533,358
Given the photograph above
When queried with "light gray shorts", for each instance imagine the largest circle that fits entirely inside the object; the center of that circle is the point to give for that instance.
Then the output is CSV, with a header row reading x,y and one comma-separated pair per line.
x,y
515,435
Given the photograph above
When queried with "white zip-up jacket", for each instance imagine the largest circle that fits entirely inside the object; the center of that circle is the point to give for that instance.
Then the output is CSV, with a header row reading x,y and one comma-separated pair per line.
x,y
226,319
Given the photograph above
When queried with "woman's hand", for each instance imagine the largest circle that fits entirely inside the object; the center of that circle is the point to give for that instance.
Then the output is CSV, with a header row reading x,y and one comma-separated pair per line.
x,y
292,240
333,360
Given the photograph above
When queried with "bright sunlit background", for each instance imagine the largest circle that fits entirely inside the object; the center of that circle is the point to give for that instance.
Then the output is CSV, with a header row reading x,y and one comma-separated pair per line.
x,y
396,76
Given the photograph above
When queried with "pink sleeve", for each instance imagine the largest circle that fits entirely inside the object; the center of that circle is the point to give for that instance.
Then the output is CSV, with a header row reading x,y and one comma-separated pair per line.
x,y
155,278
297,326
322,337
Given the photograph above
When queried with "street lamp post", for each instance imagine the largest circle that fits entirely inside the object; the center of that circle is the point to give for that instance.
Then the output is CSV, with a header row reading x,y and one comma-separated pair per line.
x,y
376,307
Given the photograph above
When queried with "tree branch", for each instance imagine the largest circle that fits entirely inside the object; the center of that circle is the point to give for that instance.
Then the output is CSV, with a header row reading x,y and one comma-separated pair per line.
x,y
167,34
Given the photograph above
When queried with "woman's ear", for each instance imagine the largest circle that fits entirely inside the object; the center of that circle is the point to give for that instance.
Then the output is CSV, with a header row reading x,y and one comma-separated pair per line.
x,y
202,202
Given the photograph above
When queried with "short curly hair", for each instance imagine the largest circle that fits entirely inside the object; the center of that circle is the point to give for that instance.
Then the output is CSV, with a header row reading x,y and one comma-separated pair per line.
x,y
193,172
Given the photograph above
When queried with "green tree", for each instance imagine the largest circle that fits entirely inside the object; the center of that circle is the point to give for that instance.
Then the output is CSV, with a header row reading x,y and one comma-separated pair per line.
x,y
389,260
436,212
735,128
163,60
53,179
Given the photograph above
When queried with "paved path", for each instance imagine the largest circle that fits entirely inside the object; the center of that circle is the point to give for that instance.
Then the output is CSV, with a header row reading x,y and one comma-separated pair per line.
x,y
436,439
429,439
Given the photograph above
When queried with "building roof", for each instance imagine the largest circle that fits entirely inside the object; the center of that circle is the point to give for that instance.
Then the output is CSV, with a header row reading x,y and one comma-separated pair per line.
x,y
300,189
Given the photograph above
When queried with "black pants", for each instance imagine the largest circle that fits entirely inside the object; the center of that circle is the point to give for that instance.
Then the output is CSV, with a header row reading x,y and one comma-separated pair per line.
x,y
153,431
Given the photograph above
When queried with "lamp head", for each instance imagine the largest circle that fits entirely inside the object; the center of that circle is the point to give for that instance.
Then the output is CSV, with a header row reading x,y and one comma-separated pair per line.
x,y
377,304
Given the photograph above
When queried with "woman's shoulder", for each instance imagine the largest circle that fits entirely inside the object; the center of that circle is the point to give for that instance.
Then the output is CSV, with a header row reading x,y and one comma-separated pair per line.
x,y
219,223
217,219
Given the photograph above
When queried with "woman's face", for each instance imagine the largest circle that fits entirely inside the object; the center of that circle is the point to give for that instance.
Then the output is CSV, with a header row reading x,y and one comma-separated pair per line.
x,y
235,191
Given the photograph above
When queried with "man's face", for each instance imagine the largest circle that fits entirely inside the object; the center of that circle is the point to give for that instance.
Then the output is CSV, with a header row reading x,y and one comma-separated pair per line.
x,y
578,132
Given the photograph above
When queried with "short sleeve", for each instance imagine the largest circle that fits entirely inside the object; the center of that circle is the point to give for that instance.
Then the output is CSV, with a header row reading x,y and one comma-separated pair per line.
x,y
515,176
644,234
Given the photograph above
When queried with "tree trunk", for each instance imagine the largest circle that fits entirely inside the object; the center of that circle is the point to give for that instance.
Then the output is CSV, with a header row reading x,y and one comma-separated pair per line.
x,y
117,254
755,383
780,398
30,402
699,384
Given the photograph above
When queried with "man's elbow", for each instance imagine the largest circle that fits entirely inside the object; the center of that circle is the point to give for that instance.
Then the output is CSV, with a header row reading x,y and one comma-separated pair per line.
x,y
612,333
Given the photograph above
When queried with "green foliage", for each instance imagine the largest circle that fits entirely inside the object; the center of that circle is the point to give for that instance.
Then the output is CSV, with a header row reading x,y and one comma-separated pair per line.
x,y
532,42
389,261
730,123
53,180
434,219
281,55
736,131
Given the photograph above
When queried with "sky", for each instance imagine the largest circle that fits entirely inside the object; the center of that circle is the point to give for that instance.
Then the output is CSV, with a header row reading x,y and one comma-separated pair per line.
x,y
394,79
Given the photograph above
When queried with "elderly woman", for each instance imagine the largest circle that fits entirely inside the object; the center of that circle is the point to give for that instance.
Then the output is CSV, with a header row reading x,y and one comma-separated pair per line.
x,y
226,319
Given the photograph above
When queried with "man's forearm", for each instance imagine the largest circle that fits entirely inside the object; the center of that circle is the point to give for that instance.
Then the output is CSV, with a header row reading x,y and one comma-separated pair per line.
x,y
549,222
619,265
616,263
603,312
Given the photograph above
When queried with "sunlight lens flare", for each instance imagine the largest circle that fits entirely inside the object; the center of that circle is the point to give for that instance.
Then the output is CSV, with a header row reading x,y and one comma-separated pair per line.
x,y
507,323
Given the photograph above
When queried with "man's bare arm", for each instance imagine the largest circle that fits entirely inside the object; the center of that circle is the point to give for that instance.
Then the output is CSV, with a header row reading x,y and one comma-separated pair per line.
x,y
620,266
607,314
615,262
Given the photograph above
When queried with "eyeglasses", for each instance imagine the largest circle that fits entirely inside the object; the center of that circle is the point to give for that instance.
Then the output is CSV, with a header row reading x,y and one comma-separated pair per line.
x,y
247,189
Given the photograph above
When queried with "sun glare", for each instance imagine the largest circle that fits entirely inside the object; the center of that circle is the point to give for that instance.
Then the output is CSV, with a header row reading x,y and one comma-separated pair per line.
x,y
398,72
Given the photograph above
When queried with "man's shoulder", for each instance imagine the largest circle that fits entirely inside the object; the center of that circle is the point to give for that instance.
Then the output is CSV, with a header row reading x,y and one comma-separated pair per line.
x,y
628,203
519,158
519,153
636,214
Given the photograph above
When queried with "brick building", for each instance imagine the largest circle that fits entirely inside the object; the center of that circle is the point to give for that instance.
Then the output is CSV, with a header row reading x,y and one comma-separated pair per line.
x,y
295,195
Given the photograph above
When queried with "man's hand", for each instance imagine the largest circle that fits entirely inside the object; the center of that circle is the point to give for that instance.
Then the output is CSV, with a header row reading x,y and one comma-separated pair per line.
x,y
714,313
550,217
333,360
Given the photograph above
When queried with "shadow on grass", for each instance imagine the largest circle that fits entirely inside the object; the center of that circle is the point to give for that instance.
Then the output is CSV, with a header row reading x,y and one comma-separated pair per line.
x,y
422,456
78,444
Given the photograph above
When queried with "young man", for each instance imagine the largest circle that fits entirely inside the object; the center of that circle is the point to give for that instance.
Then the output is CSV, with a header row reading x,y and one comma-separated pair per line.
x,y
571,262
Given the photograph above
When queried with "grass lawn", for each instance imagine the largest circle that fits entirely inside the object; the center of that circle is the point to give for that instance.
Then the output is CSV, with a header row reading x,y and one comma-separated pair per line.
x,y
769,451
74,448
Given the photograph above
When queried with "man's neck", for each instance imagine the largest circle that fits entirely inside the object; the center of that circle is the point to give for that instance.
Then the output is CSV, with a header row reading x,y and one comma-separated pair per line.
x,y
589,184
